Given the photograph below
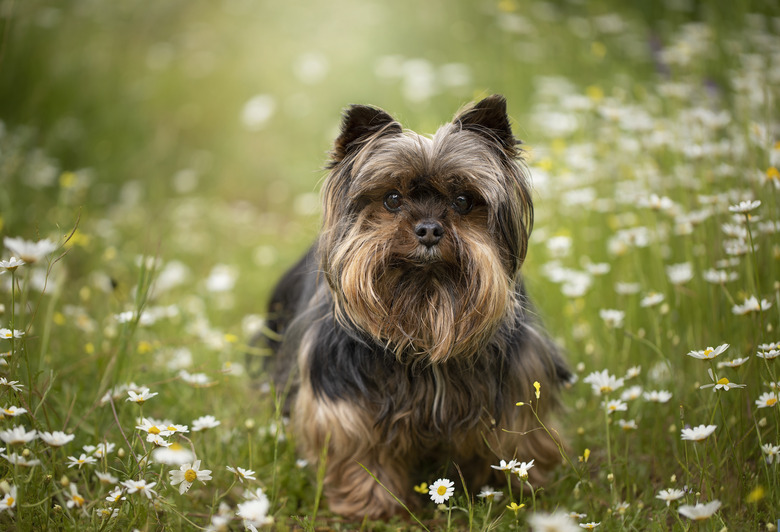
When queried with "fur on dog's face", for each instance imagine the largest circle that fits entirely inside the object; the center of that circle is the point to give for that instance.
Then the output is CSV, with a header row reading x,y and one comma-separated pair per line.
x,y
423,237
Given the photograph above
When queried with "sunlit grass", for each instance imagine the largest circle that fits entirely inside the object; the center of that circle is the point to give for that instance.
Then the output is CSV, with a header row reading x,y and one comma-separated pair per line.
x,y
166,160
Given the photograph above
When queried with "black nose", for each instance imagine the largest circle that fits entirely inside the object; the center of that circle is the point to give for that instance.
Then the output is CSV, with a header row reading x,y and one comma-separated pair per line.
x,y
429,232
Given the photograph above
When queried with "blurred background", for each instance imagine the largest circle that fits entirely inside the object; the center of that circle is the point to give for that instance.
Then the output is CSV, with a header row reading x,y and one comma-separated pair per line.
x,y
197,129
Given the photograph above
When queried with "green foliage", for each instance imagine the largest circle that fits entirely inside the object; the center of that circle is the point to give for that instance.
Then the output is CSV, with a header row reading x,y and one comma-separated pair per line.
x,y
171,152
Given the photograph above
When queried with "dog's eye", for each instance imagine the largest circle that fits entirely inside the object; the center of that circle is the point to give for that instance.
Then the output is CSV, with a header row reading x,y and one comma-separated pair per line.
x,y
463,203
393,201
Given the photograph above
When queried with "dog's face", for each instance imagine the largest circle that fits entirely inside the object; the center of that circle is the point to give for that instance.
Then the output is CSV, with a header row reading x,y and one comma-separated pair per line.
x,y
423,237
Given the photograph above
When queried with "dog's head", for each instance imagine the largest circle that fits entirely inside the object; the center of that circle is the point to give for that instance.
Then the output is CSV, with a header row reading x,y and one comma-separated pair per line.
x,y
423,237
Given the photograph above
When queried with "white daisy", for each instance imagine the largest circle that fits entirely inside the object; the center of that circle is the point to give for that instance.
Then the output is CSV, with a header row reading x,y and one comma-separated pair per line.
x,y
670,495
141,487
701,511
708,353
56,438
441,490
697,433
187,474
242,473
766,400
28,251
204,422
18,435
657,396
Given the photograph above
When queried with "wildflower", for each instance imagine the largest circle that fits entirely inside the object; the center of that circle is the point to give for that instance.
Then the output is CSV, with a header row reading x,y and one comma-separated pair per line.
x,y
555,522
515,507
698,433
106,478
11,264
770,346
242,473
8,333
56,439
13,411
701,511
9,500
140,398
116,495
709,353
101,449
20,460
199,380
651,299
612,318
656,202
631,393
505,466
751,304
538,388
766,399
188,474
421,488
720,384
158,440
141,487
75,500
627,288
771,452
18,435
602,382
768,355
14,385
680,273
615,405
81,460
657,396
254,511
719,276
204,422
441,490
732,363
172,454
589,526
488,493
521,469
627,425
744,207
670,495
633,372
28,251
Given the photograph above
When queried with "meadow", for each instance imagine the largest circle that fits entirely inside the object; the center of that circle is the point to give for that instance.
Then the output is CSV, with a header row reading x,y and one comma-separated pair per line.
x,y
159,170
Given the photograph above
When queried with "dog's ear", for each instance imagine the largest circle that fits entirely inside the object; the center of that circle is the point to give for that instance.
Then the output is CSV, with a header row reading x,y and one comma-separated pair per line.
x,y
488,118
360,122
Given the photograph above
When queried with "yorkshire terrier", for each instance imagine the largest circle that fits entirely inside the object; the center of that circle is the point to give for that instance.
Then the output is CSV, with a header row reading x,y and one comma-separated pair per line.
x,y
405,337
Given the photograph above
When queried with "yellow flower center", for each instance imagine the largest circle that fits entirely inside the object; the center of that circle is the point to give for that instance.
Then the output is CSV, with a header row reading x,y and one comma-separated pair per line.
x,y
707,352
154,430
606,389
771,401
10,501
79,500
441,490
9,412
724,380
171,428
191,475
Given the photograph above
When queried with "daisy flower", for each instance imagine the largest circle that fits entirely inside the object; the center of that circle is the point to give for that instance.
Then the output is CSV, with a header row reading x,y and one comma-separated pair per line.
x,y
612,318
106,478
56,438
633,372
116,495
700,512
488,493
101,449
11,264
769,354
733,363
173,454
615,405
141,487
158,440
744,207
657,396
8,333
28,251
719,276
670,495
153,428
651,299
589,526
771,452
441,490
602,382
521,469
13,411
558,522
766,400
631,393
74,499
9,500
505,466
751,304
679,273
254,511
204,422
698,433
14,385
199,380
242,473
18,435
140,398
627,425
720,384
187,474
709,353
81,460
20,460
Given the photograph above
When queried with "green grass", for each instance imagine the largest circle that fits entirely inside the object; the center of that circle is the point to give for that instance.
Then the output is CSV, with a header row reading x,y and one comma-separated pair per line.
x,y
123,143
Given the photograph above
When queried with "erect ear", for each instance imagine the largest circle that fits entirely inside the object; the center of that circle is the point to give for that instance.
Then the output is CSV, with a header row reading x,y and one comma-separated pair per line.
x,y
488,118
359,123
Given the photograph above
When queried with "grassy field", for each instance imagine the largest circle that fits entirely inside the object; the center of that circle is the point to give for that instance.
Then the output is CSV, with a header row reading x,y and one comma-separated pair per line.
x,y
166,156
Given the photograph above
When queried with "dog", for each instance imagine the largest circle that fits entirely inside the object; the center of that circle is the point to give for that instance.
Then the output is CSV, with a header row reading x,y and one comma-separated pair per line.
x,y
404,338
